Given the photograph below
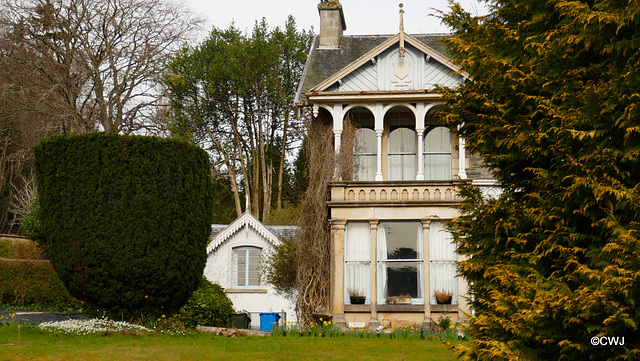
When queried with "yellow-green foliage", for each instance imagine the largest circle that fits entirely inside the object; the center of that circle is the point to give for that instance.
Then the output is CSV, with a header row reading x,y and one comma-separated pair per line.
x,y
552,106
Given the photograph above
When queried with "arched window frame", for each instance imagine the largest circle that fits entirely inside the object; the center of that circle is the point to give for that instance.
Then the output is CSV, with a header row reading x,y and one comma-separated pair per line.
x,y
437,160
246,267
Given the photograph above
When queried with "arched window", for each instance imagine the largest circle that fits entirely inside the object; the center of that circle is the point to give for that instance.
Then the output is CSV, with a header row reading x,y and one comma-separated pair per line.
x,y
247,266
365,155
437,154
402,153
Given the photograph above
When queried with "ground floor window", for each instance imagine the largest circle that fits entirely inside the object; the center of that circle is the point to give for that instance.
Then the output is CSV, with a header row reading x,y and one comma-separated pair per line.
x,y
400,260
442,254
246,267
358,260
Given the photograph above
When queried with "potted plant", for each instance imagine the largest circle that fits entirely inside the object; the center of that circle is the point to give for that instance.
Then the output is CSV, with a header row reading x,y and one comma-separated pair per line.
x,y
443,297
356,296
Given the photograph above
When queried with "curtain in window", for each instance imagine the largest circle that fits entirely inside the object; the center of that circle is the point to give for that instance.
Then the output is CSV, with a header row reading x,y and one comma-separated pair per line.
x,y
402,154
437,154
358,258
382,266
365,166
246,267
443,261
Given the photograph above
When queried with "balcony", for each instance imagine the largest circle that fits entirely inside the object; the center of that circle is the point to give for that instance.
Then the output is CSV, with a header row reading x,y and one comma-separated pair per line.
x,y
394,193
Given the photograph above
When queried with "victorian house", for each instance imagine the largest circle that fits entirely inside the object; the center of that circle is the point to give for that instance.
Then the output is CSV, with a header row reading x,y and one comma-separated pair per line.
x,y
388,223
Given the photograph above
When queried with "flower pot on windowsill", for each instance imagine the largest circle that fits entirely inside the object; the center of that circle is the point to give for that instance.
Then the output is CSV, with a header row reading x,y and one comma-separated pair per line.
x,y
357,300
443,297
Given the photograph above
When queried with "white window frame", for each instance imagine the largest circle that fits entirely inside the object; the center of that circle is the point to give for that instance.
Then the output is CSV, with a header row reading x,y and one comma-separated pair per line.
x,y
235,271
357,253
383,261
361,154
442,257
427,153
407,174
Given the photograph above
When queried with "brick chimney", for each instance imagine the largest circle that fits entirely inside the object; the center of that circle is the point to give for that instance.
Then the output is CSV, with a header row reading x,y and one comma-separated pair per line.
x,y
332,23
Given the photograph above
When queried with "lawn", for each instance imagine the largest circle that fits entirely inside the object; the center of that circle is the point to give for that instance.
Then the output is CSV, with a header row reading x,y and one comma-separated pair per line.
x,y
35,344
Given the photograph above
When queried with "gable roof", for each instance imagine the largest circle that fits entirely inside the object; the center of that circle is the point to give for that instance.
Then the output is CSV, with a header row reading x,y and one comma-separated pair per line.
x,y
324,67
218,237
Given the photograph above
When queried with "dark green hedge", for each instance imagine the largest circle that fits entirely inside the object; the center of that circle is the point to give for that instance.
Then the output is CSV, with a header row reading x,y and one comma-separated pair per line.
x,y
33,283
126,219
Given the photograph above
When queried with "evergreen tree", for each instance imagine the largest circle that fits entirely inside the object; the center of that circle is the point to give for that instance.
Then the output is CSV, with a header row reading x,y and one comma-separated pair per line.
x,y
552,105
125,219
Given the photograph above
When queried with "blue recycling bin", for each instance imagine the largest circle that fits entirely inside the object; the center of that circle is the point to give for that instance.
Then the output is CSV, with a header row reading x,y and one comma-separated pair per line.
x,y
267,319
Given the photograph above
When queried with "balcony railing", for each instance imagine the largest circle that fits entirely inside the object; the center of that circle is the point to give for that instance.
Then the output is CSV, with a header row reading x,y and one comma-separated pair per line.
x,y
395,192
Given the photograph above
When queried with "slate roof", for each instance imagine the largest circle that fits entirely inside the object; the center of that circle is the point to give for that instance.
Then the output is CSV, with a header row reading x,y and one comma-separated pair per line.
x,y
323,63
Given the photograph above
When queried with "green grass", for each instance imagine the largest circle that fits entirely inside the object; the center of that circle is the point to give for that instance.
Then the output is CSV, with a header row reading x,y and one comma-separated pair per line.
x,y
35,344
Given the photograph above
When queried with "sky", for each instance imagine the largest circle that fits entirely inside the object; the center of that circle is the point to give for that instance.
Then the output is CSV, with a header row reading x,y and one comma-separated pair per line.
x,y
363,17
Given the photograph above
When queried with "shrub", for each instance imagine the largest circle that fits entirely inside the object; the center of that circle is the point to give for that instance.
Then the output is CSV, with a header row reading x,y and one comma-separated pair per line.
x,y
208,306
33,283
125,219
30,224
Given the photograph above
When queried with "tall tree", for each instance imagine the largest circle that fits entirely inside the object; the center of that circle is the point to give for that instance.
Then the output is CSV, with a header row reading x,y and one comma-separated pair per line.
x,y
99,61
552,106
234,95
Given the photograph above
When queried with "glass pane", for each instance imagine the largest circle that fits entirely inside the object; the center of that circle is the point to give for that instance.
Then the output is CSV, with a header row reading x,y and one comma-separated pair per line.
x,y
437,154
358,241
401,239
365,167
358,277
438,140
402,167
437,166
366,141
254,267
442,247
400,278
240,266
402,140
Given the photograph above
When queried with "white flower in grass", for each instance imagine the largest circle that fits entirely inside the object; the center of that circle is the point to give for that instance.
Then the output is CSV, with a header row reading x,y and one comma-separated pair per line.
x,y
85,327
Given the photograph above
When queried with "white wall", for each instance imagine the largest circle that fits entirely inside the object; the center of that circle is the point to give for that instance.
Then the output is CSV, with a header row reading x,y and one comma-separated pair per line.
x,y
218,270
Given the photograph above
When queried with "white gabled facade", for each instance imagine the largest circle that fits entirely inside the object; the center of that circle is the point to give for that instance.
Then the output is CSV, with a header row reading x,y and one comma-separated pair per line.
x,y
231,263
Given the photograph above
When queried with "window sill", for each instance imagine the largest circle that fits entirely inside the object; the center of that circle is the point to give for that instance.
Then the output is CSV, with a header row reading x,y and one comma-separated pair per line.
x,y
246,290
400,308
357,308
444,308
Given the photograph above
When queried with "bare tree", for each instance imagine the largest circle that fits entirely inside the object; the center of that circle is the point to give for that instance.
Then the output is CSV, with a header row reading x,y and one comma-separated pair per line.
x,y
99,61
74,66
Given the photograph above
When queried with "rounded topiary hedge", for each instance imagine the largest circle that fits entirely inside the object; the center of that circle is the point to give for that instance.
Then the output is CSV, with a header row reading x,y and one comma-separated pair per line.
x,y
125,219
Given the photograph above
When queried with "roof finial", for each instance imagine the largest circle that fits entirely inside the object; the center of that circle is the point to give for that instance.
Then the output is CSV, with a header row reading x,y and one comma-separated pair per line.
x,y
401,54
401,17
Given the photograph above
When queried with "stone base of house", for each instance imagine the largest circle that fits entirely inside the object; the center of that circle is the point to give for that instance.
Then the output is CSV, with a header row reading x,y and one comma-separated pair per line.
x,y
397,316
